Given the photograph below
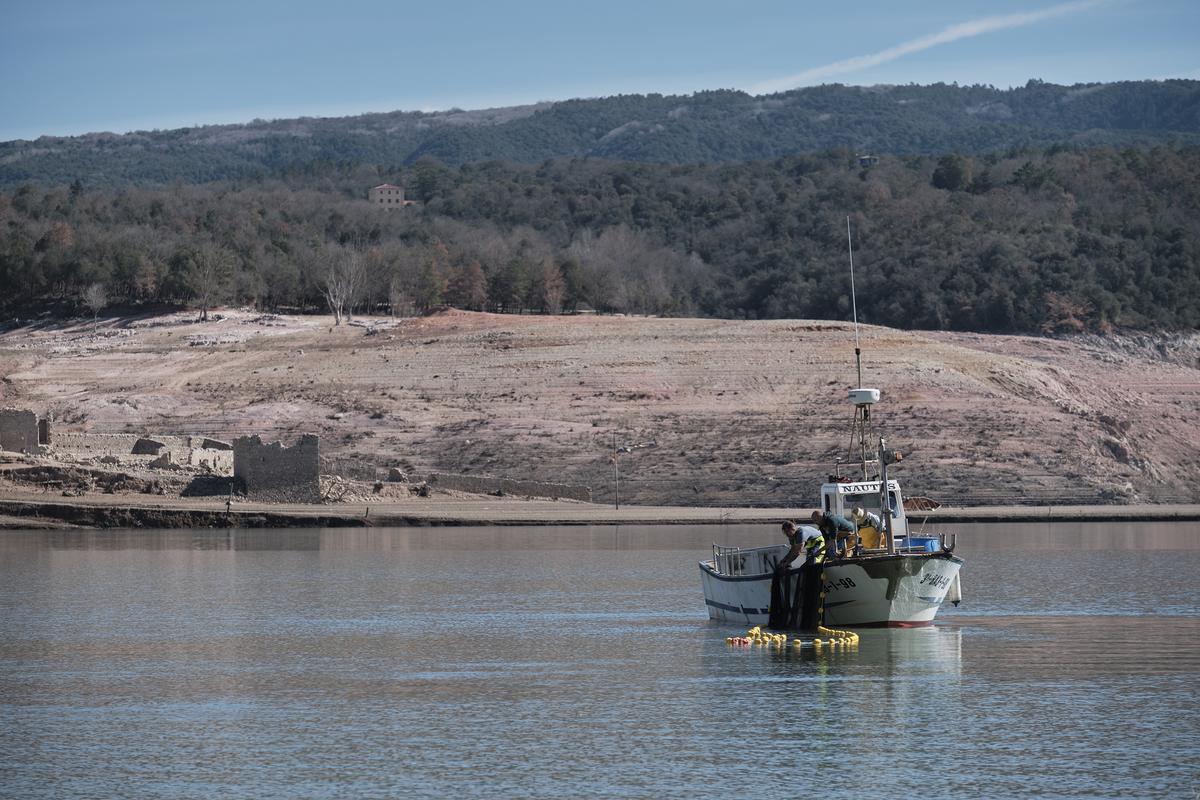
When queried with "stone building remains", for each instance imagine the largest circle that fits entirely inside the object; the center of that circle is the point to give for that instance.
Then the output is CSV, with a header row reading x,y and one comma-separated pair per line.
x,y
195,451
277,474
20,430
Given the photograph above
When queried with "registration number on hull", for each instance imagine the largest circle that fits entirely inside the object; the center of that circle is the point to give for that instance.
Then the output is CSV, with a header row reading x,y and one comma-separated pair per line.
x,y
840,583
935,581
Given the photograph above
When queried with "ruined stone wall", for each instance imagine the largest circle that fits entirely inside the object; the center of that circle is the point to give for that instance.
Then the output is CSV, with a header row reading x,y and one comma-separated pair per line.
x,y
218,461
196,451
481,484
96,444
349,467
18,429
119,444
277,474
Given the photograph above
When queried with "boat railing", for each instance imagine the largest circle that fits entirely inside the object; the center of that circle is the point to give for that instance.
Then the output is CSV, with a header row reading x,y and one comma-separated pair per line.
x,y
746,561
728,560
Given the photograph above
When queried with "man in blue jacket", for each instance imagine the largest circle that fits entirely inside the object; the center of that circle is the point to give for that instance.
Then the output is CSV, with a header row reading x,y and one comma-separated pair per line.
x,y
835,528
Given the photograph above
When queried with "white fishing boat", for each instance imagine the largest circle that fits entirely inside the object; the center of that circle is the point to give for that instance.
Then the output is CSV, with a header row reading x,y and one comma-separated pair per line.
x,y
898,585
900,579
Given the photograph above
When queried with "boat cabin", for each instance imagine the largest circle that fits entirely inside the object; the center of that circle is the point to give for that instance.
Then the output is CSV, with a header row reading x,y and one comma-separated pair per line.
x,y
841,496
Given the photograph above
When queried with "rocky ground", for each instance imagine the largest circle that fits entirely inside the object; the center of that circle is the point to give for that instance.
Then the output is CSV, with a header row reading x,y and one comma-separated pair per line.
x,y
741,413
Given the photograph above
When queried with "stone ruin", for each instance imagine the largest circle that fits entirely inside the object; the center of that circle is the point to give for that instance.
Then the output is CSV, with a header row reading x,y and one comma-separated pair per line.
x,y
266,472
22,431
210,455
277,474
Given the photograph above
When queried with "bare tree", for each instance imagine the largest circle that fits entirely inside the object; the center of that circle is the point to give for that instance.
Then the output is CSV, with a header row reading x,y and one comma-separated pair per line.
x,y
210,271
627,270
554,288
334,290
95,298
344,282
354,270
601,271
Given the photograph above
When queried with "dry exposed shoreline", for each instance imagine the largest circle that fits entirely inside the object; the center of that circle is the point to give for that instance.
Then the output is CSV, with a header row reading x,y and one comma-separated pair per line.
x,y
129,512
743,413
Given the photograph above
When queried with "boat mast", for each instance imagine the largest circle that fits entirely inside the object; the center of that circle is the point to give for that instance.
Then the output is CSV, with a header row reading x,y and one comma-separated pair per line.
x,y
861,397
854,303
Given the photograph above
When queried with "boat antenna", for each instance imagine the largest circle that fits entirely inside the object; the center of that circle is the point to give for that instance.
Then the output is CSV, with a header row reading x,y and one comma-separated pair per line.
x,y
862,398
854,303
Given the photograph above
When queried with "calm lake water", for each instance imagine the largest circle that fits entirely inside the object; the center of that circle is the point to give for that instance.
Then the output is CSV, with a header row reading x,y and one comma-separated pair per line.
x,y
567,662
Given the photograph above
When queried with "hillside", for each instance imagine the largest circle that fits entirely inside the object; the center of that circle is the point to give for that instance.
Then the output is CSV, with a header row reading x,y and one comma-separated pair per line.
x,y
1056,240
743,413
716,126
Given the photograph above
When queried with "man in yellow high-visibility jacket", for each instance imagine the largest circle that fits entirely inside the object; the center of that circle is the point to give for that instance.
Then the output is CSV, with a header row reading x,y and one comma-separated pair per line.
x,y
814,547
805,540
806,610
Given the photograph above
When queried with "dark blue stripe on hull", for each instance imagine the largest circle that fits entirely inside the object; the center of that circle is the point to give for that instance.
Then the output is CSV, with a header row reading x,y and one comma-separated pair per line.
x,y
736,609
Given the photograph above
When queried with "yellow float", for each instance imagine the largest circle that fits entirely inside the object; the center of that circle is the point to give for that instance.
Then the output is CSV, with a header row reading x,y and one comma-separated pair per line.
x,y
826,637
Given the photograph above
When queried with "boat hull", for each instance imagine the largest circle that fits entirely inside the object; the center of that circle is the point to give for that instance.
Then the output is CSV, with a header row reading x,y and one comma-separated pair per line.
x,y
904,590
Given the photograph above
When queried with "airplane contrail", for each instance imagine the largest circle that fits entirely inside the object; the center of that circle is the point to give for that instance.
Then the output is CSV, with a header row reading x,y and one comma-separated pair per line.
x,y
963,30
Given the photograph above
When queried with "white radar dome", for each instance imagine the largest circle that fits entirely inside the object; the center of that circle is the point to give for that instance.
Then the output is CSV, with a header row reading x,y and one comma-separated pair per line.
x,y
864,397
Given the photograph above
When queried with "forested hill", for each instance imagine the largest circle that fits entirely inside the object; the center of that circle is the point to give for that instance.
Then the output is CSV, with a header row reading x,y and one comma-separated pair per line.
x,y
1056,239
707,127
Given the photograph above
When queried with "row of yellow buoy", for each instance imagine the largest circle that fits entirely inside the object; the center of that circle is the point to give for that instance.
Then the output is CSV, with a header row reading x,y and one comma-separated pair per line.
x,y
757,636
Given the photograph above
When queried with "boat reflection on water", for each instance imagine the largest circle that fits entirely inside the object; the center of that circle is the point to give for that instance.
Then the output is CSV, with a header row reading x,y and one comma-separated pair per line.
x,y
881,653
929,650
892,681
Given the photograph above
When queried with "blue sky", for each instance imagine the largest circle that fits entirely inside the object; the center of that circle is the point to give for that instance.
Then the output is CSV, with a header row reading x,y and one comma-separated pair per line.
x,y
69,67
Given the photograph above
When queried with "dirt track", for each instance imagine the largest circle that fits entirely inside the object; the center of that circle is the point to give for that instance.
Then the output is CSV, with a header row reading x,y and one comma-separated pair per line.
x,y
743,413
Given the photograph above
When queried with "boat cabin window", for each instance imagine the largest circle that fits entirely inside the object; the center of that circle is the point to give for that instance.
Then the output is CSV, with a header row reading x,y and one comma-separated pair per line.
x,y
869,501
